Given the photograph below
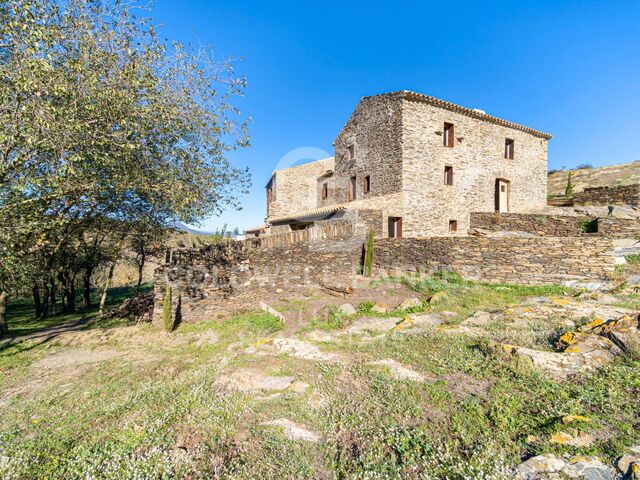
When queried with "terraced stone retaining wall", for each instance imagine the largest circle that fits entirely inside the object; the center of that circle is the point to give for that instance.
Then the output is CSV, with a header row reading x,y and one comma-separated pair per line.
x,y
537,260
619,227
556,225
542,225
621,195
235,276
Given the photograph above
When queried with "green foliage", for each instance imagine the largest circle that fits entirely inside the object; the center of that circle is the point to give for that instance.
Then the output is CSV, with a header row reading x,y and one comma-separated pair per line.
x,y
365,307
106,127
368,256
633,258
589,226
374,425
568,191
168,319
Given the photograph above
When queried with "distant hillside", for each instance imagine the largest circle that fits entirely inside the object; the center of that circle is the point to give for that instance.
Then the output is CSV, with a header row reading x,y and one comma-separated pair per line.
x,y
614,175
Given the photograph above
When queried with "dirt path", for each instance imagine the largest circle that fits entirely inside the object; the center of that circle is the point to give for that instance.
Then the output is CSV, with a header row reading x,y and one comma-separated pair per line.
x,y
48,333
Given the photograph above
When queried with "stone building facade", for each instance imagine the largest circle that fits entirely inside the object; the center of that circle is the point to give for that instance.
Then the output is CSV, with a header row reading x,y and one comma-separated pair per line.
x,y
424,164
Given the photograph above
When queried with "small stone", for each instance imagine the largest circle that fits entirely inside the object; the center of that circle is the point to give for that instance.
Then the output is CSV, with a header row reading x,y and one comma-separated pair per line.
x,y
590,468
575,418
320,336
408,303
303,350
424,320
293,431
449,314
578,440
347,309
478,319
438,297
626,462
380,308
299,387
399,371
245,380
533,467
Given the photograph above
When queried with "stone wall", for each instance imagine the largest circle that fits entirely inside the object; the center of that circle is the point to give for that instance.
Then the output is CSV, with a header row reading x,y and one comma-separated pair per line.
x,y
537,260
621,195
619,227
375,131
557,225
295,189
477,158
236,276
542,225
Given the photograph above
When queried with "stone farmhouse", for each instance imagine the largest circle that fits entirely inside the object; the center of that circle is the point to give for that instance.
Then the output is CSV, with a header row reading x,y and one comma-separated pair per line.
x,y
412,165
467,191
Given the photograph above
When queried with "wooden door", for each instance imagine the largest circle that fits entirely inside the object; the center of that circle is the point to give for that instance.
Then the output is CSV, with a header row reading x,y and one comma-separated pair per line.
x,y
502,195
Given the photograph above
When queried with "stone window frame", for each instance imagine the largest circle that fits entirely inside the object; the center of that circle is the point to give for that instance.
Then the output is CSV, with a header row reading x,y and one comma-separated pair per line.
x,y
351,151
324,191
366,184
453,225
509,148
448,134
353,185
448,175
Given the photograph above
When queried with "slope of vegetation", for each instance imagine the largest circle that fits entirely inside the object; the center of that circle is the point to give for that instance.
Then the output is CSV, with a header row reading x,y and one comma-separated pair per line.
x,y
118,401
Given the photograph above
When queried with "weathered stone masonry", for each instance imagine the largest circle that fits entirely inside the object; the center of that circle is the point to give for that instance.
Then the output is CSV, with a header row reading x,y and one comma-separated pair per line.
x,y
513,260
542,225
557,226
620,195
238,275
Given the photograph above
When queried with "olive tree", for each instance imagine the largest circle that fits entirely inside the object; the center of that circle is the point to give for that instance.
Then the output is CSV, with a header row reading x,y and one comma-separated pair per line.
x,y
101,119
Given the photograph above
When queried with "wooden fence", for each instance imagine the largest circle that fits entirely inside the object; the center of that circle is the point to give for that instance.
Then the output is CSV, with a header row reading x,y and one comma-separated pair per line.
x,y
338,230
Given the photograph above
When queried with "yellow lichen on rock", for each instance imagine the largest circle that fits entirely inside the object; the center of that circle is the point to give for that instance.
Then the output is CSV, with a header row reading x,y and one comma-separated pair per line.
x,y
560,438
575,418
595,323
569,338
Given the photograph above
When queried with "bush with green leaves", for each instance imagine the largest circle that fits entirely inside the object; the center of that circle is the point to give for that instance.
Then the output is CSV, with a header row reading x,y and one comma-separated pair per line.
x,y
568,191
589,225
368,255
633,258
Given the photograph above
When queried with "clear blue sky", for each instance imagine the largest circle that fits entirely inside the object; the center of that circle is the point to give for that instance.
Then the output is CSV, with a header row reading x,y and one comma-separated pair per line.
x,y
571,68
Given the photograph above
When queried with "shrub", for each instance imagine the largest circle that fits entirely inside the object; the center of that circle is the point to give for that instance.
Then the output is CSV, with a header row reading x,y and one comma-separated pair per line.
x,y
589,226
366,307
569,190
368,255
584,165
633,258
167,312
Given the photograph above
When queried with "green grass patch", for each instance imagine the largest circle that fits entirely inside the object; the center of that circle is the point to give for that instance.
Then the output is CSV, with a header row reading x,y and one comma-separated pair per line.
x,y
633,258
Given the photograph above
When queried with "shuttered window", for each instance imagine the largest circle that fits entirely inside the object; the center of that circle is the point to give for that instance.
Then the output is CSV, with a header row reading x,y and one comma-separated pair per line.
x,y
448,136
448,175
508,148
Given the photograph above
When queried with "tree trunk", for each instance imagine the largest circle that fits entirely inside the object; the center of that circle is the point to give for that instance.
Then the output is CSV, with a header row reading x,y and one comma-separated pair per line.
x,y
37,302
86,289
4,328
140,268
45,303
52,296
107,284
71,296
